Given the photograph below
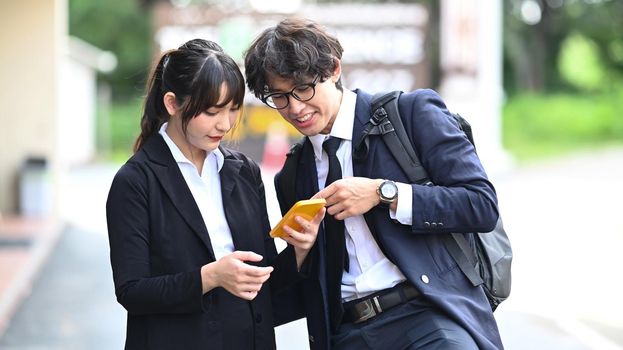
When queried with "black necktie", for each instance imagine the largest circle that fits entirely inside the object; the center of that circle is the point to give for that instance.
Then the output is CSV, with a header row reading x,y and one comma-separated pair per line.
x,y
337,258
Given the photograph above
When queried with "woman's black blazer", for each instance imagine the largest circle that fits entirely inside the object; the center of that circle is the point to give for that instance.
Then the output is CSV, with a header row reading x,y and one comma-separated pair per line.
x,y
158,243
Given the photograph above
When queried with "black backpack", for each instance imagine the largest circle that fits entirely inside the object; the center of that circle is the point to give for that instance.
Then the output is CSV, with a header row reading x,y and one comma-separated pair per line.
x,y
487,262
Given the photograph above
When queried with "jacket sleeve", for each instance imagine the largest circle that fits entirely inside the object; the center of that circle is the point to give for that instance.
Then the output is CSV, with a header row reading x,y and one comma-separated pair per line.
x,y
285,286
462,198
127,214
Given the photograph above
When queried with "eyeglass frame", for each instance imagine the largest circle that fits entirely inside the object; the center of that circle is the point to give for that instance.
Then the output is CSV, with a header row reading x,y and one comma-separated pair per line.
x,y
311,85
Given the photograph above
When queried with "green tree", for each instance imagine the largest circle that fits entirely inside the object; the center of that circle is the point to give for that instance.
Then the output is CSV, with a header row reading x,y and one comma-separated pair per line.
x,y
122,27
532,50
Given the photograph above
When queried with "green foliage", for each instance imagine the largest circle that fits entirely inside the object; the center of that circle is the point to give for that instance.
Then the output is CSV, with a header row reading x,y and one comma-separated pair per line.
x,y
124,125
120,26
532,53
579,63
537,126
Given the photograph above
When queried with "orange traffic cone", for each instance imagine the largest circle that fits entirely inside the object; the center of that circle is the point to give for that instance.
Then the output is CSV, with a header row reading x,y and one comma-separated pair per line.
x,y
276,147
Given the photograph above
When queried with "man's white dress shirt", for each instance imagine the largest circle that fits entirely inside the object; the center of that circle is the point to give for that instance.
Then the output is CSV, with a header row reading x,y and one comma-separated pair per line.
x,y
369,269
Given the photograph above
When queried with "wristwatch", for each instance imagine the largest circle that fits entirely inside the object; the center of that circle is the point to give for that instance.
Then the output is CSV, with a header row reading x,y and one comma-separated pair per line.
x,y
388,192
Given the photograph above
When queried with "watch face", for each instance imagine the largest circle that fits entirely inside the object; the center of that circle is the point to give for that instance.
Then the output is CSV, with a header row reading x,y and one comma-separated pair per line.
x,y
389,190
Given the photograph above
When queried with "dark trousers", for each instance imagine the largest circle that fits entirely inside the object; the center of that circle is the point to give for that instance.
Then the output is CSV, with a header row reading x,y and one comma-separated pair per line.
x,y
412,325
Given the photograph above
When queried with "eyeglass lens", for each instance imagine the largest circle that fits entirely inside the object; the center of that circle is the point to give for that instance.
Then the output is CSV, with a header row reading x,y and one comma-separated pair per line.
x,y
303,92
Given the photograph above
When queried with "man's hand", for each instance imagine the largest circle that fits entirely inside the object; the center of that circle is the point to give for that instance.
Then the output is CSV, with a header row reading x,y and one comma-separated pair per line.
x,y
237,277
350,196
303,240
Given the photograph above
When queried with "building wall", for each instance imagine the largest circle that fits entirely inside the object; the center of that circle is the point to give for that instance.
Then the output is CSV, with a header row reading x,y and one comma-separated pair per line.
x,y
32,33
77,113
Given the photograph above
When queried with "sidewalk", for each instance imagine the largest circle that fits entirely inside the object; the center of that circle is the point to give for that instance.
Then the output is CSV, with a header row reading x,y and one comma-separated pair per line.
x,y
25,245
564,220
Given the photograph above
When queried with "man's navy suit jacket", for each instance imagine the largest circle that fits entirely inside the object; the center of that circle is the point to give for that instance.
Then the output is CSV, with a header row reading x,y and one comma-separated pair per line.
x,y
462,200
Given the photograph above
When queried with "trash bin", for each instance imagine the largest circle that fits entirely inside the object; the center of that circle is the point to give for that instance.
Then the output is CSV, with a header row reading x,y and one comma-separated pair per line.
x,y
35,189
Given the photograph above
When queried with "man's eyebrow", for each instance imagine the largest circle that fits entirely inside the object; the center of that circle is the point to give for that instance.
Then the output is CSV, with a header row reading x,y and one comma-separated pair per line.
x,y
272,91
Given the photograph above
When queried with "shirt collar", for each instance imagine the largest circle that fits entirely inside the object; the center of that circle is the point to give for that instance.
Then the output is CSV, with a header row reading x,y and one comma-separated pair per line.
x,y
343,124
179,156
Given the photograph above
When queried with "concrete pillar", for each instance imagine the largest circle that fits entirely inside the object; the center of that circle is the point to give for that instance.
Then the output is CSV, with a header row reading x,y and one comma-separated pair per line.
x,y
471,82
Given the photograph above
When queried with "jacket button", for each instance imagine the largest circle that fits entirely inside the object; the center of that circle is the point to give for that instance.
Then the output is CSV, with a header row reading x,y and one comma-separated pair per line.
x,y
311,338
426,224
424,279
433,225
258,318
440,224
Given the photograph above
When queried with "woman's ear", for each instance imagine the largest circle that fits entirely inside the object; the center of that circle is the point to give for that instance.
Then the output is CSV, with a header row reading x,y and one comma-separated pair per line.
x,y
170,103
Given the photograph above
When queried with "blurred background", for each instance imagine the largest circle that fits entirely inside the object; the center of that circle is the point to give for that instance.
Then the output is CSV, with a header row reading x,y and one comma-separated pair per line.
x,y
541,82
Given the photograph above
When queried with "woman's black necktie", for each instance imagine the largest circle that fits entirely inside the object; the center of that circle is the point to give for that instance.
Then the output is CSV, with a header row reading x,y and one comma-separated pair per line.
x,y
337,258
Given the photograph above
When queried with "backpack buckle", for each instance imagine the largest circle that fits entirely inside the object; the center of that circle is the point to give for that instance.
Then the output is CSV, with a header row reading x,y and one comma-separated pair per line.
x,y
385,127
379,115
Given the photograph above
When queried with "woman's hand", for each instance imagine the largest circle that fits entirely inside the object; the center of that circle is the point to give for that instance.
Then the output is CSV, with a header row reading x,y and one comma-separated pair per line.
x,y
237,277
303,240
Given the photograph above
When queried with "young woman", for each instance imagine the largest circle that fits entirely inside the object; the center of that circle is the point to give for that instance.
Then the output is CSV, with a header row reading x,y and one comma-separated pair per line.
x,y
187,219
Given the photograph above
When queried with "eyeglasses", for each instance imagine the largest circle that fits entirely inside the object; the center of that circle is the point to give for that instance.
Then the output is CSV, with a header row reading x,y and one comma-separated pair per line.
x,y
302,92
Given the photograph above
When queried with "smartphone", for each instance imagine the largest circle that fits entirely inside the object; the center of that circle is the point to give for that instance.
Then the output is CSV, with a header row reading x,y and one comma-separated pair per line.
x,y
307,209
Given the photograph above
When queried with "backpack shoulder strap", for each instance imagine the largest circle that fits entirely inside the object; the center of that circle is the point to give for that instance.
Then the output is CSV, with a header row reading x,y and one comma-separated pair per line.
x,y
398,142
386,114
285,180
462,252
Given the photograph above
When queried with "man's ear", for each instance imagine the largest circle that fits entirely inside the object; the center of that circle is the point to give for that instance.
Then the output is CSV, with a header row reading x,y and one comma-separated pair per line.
x,y
170,103
337,71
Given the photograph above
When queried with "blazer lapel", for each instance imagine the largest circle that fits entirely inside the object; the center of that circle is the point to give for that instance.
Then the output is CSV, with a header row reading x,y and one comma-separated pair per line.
x,y
364,167
362,116
306,172
233,204
172,181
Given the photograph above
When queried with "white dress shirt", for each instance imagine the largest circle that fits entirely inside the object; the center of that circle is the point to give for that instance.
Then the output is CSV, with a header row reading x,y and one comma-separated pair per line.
x,y
206,190
369,269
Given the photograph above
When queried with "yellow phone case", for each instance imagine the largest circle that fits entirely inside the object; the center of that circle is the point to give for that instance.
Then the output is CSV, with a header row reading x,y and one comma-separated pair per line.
x,y
307,209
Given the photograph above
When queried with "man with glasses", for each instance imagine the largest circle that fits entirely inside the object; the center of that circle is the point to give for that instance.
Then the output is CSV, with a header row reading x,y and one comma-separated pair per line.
x,y
379,276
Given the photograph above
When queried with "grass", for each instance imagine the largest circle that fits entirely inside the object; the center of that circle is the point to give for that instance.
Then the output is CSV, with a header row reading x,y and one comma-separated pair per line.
x,y
123,125
543,126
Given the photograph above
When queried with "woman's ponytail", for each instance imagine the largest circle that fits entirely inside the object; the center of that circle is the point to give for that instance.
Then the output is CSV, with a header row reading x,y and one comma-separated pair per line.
x,y
154,110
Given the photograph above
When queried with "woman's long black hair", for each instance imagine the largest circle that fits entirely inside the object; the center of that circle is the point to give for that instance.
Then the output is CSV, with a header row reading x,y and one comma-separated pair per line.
x,y
195,73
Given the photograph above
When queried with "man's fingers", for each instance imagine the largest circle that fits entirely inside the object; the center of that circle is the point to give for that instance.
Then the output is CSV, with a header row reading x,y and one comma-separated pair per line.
x,y
319,216
325,192
342,215
294,235
335,209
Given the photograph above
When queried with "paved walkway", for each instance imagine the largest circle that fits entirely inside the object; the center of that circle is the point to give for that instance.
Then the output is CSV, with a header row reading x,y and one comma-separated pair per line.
x,y
25,244
562,216
564,221
72,305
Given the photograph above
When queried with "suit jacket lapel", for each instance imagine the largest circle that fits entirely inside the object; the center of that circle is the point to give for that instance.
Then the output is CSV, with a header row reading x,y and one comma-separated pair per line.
x,y
364,167
172,181
233,202
307,186
362,116
307,172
